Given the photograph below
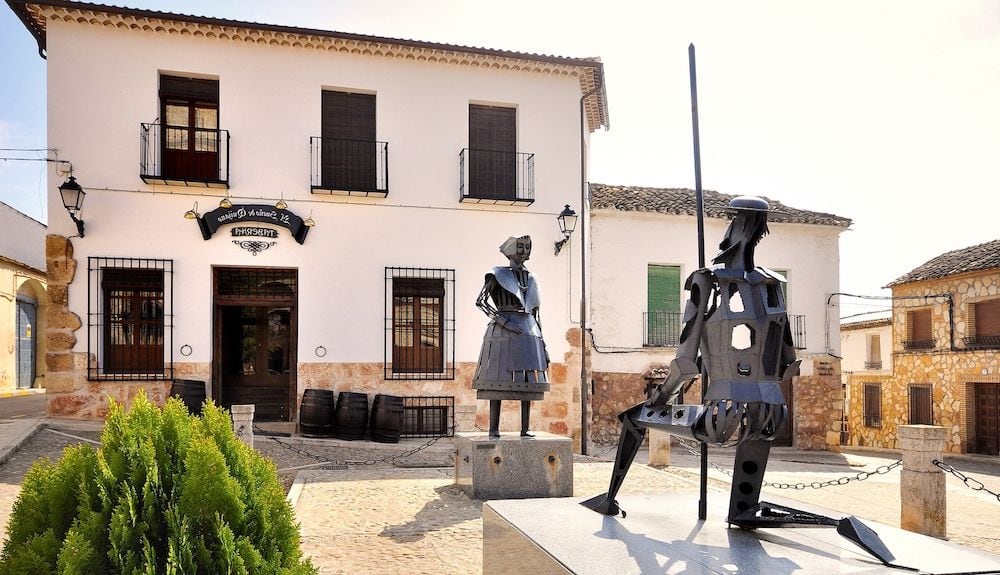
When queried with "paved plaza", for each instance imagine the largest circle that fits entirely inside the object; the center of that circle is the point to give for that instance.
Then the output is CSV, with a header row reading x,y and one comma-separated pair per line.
x,y
372,511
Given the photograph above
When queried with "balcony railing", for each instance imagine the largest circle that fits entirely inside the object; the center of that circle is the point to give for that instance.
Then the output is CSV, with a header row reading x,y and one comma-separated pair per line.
x,y
797,323
917,344
184,156
661,328
491,177
982,341
873,365
349,167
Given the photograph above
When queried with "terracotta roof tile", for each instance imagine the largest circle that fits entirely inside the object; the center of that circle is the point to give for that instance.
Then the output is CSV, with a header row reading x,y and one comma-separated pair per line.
x,y
681,201
971,259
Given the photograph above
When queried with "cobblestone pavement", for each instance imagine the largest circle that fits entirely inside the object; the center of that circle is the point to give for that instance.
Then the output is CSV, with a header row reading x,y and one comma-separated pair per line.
x,y
371,512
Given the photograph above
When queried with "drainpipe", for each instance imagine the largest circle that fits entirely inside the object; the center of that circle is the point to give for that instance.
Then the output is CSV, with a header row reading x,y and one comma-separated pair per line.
x,y
584,384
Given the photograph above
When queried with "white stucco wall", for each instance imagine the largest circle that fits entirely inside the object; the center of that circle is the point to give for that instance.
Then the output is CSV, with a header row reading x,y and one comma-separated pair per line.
x,y
854,345
624,243
102,83
23,238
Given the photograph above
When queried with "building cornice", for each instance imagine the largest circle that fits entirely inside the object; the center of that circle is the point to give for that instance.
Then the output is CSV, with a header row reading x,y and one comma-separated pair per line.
x,y
35,16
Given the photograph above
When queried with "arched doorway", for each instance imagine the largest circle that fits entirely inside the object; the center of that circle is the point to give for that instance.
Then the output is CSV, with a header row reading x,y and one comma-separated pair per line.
x,y
29,354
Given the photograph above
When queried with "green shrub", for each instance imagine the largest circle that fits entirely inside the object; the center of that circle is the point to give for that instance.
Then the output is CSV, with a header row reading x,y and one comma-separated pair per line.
x,y
166,493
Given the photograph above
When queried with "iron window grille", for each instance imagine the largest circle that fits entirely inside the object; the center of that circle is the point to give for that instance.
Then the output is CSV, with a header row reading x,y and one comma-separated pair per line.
x,y
428,416
129,318
798,327
496,177
921,404
419,324
661,328
204,162
349,167
264,285
873,404
983,324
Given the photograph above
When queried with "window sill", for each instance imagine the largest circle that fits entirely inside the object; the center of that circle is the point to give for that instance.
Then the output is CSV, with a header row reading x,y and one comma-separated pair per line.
x,y
188,182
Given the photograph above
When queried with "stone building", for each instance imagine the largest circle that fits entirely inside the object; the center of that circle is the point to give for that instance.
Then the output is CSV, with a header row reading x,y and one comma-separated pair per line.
x,y
945,362
644,245
271,209
23,301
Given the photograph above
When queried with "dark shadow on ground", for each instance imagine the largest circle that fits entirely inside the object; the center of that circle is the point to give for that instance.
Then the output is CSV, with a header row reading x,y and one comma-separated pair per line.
x,y
452,506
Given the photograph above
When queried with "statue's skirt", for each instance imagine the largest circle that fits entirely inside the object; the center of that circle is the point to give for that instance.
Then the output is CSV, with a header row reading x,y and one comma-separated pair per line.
x,y
512,366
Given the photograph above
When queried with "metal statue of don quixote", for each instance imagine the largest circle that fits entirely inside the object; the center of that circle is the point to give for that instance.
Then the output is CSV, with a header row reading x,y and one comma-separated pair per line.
x,y
736,337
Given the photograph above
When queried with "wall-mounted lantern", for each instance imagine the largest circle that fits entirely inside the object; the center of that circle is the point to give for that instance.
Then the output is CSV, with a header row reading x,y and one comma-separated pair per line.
x,y
72,198
567,223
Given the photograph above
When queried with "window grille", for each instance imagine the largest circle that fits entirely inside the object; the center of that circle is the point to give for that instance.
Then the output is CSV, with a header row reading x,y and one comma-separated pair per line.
x,y
873,404
921,410
983,324
255,284
428,416
419,323
130,318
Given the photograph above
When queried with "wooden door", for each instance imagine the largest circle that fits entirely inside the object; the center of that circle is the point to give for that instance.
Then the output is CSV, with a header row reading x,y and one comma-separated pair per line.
x,y
988,418
256,351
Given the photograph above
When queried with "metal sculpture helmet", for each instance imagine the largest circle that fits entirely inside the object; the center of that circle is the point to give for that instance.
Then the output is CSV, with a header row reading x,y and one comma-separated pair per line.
x,y
744,233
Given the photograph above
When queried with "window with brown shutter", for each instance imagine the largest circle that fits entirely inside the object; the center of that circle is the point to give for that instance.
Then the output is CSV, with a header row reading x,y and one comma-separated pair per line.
x,y
349,150
984,321
420,324
189,112
874,360
921,412
873,404
492,152
918,330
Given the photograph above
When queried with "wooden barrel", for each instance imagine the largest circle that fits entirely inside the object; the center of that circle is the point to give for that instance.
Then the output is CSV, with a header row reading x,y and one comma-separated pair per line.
x,y
316,412
351,416
191,392
387,418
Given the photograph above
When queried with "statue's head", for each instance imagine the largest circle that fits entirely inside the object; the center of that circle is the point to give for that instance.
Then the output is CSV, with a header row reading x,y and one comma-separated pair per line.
x,y
517,250
748,226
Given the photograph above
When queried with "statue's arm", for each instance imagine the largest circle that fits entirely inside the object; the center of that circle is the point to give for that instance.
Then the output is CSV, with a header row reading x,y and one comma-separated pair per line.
x,y
483,303
684,368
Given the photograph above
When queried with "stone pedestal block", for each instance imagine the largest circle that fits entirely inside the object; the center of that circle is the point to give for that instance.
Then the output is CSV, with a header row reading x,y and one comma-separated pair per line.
x,y
514,467
659,448
922,496
243,422
465,418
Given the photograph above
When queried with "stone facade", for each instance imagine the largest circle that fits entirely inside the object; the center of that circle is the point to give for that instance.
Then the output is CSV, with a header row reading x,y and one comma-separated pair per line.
x,y
951,368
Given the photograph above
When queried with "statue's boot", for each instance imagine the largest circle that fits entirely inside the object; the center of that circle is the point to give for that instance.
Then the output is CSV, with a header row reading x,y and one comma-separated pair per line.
x,y
628,445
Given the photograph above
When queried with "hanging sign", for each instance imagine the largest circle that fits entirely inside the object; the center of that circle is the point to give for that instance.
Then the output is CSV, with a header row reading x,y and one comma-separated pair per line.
x,y
210,222
253,232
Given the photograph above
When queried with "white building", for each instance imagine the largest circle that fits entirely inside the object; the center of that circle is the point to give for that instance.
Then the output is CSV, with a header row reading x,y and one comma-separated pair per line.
x,y
415,160
866,343
644,246
23,300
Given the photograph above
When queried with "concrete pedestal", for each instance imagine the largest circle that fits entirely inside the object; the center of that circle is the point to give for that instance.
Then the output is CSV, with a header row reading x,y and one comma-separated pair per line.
x,y
662,535
514,467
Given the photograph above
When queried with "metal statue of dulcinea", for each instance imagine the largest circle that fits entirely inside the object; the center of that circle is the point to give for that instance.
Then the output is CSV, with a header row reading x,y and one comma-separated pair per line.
x,y
736,336
513,359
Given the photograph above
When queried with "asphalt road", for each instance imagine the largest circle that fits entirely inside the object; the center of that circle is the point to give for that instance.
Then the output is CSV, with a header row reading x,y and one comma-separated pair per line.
x,y
22,406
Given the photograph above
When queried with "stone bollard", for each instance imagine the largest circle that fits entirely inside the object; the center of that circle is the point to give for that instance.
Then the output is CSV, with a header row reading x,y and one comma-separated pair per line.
x,y
243,422
659,448
923,504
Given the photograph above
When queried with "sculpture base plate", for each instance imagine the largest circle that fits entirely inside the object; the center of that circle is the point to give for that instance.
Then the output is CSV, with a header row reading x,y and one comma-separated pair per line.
x,y
661,534
514,467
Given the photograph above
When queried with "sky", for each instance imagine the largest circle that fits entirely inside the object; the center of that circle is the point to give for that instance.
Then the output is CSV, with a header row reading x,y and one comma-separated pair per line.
x,y
885,112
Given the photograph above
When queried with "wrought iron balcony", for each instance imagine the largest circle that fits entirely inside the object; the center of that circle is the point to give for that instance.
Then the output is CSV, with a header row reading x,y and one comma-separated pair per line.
x,y
797,323
873,365
982,341
349,167
491,177
917,344
661,328
184,156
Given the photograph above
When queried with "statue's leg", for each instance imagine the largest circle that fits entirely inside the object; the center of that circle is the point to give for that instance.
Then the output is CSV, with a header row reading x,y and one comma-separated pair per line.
x,y
495,418
525,416
748,476
628,445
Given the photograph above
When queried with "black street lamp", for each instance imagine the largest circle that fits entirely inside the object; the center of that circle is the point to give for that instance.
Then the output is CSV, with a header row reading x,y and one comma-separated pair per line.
x,y
72,198
567,224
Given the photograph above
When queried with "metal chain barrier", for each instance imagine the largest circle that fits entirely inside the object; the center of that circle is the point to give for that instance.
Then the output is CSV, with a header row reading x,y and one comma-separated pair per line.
x,y
860,476
324,460
971,483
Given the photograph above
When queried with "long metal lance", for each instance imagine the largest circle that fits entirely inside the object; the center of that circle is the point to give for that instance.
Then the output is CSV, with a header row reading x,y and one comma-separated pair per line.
x,y
700,209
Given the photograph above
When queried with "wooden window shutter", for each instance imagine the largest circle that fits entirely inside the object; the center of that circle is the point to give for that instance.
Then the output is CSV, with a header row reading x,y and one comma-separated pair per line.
x,y
349,155
492,151
663,288
920,325
875,348
987,322
194,89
